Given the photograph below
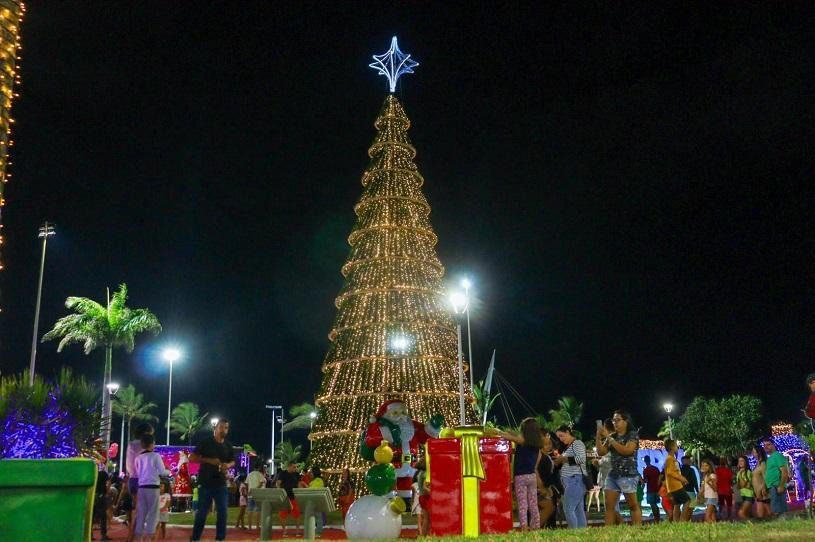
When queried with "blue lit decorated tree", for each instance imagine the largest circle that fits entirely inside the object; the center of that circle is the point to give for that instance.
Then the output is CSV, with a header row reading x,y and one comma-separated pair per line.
x,y
48,420
795,448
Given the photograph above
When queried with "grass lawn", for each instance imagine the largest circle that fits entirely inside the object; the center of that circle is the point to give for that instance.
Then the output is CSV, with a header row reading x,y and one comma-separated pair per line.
x,y
789,530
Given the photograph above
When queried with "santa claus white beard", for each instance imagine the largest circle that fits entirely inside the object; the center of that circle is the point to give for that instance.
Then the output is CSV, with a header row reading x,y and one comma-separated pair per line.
x,y
407,431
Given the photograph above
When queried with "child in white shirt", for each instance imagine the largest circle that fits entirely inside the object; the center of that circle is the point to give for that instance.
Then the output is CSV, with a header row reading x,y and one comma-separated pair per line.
x,y
148,468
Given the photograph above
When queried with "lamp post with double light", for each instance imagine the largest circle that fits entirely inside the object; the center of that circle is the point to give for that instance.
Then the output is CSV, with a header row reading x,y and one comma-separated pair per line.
x,y
460,303
46,231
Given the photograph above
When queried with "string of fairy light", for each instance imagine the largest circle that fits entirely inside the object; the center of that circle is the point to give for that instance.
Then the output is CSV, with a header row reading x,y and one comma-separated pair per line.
x,y
11,17
393,336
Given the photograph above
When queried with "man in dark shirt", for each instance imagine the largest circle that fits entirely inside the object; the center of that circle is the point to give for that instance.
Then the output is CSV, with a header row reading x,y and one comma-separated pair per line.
x,y
216,456
288,480
692,487
651,476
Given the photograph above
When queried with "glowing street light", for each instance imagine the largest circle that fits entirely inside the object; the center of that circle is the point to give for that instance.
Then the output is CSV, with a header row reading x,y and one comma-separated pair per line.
x,y
213,422
170,355
112,387
46,231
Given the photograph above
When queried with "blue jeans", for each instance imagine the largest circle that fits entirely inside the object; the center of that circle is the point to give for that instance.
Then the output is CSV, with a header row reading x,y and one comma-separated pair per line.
x,y
205,496
574,493
778,500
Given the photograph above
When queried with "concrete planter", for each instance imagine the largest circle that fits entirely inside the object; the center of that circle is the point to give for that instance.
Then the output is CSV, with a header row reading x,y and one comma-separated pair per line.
x,y
45,500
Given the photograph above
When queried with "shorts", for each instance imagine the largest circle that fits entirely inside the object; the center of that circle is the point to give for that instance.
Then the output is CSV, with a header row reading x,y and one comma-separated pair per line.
x,y
294,512
622,484
712,502
747,499
778,500
163,517
133,486
725,499
679,497
652,499
252,506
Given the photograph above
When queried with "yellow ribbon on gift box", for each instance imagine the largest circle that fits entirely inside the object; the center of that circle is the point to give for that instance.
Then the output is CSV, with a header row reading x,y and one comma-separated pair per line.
x,y
472,471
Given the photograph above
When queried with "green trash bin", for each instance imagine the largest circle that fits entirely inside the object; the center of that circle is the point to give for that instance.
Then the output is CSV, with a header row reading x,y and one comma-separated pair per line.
x,y
46,500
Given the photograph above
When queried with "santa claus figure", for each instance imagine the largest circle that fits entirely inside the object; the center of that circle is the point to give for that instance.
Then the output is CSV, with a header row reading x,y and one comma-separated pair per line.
x,y
391,423
182,486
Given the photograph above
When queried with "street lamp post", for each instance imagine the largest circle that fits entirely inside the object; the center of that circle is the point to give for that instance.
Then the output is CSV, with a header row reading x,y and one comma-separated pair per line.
x,y
312,416
460,304
466,284
170,355
46,230
122,447
668,409
273,408
113,387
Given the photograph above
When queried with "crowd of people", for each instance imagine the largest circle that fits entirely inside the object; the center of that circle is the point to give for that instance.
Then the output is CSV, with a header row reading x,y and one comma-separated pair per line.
x,y
554,472
142,498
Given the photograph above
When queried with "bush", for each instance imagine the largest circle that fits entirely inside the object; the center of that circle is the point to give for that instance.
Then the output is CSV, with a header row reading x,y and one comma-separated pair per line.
x,y
51,419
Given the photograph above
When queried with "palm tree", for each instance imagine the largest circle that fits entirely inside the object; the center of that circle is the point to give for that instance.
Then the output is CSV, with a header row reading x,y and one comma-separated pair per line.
x,y
131,406
483,401
285,452
185,421
569,412
93,325
667,429
301,417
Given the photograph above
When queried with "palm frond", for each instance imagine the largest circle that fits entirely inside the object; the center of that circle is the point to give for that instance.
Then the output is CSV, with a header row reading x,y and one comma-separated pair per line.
x,y
83,305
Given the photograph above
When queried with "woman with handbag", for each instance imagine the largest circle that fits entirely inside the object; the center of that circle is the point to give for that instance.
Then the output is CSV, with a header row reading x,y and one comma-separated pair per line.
x,y
574,477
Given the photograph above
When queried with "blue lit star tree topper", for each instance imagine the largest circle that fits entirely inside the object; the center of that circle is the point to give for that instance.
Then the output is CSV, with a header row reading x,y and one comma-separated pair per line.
x,y
393,64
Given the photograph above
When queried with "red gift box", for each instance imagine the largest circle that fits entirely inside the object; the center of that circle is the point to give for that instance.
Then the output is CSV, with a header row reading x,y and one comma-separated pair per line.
x,y
447,508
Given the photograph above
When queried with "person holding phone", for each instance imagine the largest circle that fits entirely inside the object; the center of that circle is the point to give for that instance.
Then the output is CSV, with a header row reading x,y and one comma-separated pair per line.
x,y
623,478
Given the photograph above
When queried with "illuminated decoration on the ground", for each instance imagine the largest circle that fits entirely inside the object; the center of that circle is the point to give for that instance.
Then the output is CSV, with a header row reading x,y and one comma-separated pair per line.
x,y
394,336
393,63
646,444
50,437
11,16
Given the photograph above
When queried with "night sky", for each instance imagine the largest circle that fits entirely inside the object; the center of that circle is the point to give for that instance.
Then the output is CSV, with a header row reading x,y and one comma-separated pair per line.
x,y
630,189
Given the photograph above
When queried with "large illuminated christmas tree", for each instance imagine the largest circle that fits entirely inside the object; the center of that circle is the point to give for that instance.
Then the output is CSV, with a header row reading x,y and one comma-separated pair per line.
x,y
394,336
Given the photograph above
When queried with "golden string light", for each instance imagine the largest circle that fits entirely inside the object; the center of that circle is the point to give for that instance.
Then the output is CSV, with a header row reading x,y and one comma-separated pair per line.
x,y
392,290
11,16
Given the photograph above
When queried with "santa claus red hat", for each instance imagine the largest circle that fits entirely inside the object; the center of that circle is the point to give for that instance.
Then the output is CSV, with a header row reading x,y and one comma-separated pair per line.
x,y
386,407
